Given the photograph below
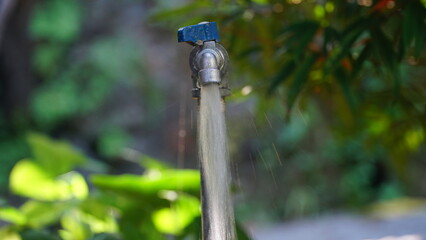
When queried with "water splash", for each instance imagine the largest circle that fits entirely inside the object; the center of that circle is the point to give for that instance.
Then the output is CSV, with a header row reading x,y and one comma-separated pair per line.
x,y
218,212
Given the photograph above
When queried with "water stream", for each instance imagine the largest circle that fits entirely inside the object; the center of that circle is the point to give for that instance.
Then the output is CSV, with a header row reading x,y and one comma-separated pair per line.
x,y
217,205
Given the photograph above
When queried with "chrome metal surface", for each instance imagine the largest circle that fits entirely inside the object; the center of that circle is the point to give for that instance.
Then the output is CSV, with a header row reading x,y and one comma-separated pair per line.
x,y
209,64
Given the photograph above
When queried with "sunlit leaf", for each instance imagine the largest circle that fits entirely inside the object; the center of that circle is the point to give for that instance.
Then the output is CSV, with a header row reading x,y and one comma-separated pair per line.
x,y
55,157
40,214
13,215
181,213
414,138
319,11
8,233
73,227
151,183
30,180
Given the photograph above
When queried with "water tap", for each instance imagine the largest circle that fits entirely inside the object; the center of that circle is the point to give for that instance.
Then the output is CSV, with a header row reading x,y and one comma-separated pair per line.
x,y
208,59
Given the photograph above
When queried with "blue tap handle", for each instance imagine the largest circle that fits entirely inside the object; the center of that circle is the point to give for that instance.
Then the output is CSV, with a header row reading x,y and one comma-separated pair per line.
x,y
199,33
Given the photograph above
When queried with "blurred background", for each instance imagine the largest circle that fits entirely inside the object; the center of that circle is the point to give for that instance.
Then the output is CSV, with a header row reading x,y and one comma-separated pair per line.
x,y
326,124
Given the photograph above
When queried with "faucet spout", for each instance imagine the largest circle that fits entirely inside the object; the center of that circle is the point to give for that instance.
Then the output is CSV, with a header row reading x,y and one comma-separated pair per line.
x,y
209,71
209,64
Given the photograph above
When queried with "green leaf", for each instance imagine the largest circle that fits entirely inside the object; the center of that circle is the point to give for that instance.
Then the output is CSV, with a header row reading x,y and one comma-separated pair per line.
x,y
300,78
54,157
349,36
112,142
13,215
105,236
175,219
384,49
408,27
299,36
192,231
330,36
137,224
30,180
9,233
57,20
41,214
343,81
46,58
241,232
73,227
64,95
359,63
282,75
151,183
413,27
151,163
36,234
298,26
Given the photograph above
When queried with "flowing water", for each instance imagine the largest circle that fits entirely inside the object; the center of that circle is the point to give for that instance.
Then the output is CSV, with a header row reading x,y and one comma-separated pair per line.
x,y
218,214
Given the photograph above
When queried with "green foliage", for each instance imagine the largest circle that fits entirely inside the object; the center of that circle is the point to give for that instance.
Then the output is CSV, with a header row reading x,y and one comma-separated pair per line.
x,y
345,75
65,16
112,141
163,201
349,78
78,82
153,182
46,152
11,148
43,186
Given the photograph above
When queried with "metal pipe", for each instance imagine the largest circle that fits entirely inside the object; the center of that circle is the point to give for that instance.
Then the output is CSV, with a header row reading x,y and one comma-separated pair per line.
x,y
209,63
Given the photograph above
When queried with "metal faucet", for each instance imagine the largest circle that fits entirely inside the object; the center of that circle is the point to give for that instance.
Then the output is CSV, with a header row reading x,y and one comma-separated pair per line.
x,y
209,63
208,60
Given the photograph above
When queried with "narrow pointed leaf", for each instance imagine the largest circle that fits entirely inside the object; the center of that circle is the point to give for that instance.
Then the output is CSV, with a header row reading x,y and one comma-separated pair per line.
x,y
300,78
344,84
282,75
384,49
359,62
349,36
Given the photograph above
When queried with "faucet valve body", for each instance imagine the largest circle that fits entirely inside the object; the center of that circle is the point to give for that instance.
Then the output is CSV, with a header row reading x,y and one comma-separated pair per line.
x,y
208,60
